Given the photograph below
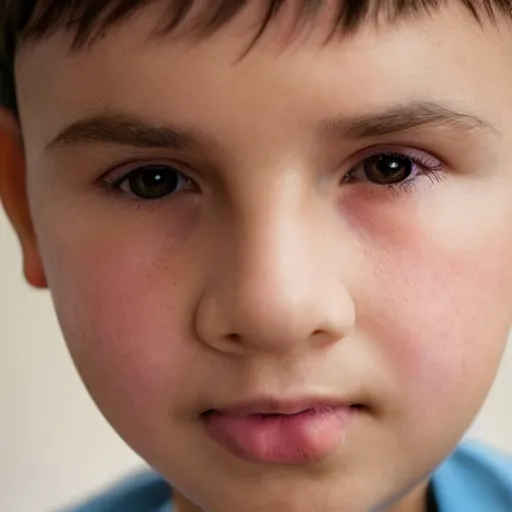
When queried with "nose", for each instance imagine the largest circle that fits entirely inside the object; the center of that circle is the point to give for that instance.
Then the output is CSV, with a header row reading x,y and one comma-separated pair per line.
x,y
276,287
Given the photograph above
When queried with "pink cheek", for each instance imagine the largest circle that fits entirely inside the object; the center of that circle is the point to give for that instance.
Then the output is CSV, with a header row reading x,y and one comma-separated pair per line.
x,y
125,334
445,347
438,314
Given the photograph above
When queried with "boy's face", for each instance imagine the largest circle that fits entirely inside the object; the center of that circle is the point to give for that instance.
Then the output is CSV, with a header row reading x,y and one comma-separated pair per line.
x,y
276,262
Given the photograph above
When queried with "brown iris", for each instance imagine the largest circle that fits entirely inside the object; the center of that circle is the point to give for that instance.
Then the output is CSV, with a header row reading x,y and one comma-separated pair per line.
x,y
153,182
388,169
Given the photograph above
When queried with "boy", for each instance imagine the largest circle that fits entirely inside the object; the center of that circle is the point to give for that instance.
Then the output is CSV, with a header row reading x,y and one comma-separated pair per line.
x,y
305,306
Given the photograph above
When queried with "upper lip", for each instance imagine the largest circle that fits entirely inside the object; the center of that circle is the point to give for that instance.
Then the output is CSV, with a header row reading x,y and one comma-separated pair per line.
x,y
285,406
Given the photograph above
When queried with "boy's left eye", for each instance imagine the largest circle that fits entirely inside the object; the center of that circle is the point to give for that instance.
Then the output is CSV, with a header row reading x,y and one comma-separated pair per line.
x,y
394,170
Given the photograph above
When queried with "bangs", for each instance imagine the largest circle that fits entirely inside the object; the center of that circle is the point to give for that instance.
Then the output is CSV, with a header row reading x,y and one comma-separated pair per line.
x,y
23,21
86,19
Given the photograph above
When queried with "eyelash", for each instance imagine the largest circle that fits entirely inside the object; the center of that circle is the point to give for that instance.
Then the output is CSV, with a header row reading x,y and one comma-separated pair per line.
x,y
113,185
425,165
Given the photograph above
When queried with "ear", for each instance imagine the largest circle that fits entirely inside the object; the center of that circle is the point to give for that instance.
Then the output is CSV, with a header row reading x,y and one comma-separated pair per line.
x,y
14,198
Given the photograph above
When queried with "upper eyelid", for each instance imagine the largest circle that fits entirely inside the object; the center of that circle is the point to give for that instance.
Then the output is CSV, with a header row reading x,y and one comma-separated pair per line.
x,y
397,149
419,156
122,171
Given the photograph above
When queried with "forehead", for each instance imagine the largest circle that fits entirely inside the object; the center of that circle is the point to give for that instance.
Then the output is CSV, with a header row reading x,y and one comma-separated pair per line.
x,y
448,56
199,20
87,21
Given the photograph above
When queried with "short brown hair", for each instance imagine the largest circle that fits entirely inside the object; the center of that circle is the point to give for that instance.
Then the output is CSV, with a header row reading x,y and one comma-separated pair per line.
x,y
29,20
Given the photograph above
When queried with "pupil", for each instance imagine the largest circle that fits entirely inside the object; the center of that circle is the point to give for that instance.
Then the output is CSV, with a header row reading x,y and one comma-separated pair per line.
x,y
388,169
154,183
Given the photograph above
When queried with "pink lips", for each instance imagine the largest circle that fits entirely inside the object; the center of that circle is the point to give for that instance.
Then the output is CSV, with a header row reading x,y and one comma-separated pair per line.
x,y
292,432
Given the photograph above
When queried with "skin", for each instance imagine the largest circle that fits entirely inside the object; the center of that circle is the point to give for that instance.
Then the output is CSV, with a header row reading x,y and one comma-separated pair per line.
x,y
397,301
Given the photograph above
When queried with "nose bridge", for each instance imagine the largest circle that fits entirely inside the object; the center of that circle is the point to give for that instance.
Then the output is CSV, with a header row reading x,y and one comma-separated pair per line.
x,y
274,290
270,238
272,272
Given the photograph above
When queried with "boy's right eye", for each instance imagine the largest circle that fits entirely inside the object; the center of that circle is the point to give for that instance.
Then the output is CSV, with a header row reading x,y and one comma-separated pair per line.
x,y
151,182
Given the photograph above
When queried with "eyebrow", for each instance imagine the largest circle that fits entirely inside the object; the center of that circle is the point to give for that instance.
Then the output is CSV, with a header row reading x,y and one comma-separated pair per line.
x,y
123,129
128,130
401,119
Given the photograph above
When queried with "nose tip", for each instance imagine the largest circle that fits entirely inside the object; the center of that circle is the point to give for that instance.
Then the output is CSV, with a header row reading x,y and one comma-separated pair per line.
x,y
255,318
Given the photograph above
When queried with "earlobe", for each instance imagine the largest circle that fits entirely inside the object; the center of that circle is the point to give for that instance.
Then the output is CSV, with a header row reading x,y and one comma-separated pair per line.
x,y
13,197
32,266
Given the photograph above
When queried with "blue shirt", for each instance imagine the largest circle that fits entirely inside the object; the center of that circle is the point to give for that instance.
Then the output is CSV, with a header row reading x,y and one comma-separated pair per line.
x,y
474,478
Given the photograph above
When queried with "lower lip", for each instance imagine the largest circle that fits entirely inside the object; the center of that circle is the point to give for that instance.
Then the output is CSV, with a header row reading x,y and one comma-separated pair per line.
x,y
296,439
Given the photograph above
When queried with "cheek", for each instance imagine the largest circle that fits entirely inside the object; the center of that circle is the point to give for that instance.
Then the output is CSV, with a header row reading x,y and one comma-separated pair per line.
x,y
125,321
442,319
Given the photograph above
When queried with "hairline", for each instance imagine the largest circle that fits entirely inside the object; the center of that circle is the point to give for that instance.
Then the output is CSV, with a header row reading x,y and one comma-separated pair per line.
x,y
44,19
346,21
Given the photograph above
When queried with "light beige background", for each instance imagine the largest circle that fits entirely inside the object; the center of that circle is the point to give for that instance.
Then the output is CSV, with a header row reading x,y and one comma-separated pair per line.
x,y
55,447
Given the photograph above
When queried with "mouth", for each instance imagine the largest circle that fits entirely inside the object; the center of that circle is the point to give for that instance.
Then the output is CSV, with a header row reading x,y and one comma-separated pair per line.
x,y
292,431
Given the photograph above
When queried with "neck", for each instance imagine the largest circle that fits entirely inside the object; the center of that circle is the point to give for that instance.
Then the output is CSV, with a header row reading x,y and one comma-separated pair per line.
x,y
415,501
182,504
